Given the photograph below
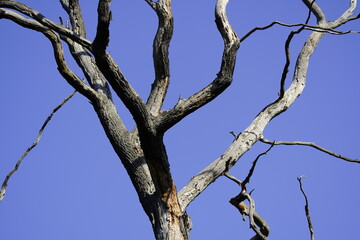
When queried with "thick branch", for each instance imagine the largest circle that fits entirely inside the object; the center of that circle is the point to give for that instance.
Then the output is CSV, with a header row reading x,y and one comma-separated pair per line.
x,y
73,9
161,55
222,81
316,10
102,37
112,71
83,58
310,144
346,16
17,165
253,132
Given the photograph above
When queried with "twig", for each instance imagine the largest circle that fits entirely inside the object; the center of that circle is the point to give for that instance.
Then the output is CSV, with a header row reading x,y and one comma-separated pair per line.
x,y
307,211
251,171
306,27
310,144
4,185
287,54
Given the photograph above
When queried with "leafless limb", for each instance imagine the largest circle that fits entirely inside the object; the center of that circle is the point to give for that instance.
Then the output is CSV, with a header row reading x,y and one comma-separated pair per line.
x,y
320,16
81,55
254,218
112,72
228,175
307,211
223,80
306,27
287,55
161,61
4,185
310,144
32,13
251,171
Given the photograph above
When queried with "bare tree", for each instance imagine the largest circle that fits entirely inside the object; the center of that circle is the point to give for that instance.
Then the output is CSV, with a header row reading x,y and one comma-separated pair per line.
x,y
142,150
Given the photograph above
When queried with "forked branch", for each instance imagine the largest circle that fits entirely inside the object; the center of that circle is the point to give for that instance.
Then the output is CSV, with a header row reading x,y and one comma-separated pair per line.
x,y
253,132
221,82
255,220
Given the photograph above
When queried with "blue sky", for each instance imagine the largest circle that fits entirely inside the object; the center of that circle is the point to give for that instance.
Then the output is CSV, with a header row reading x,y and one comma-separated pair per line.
x,y
73,186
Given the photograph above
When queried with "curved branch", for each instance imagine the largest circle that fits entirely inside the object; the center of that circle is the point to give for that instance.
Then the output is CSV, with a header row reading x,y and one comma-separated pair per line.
x,y
253,132
222,81
83,58
112,72
316,10
161,55
310,144
346,16
17,165
64,70
24,9
306,27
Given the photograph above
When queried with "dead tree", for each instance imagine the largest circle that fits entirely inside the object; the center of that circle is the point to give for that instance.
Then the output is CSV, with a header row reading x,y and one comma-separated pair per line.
x,y
142,150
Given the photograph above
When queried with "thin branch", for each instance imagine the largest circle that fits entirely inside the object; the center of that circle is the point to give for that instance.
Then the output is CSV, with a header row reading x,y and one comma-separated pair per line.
x,y
228,175
32,13
307,27
4,185
251,171
64,70
307,211
254,217
287,55
310,144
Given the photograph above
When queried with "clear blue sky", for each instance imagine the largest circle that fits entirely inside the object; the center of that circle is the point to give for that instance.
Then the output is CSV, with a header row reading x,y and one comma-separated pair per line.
x,y
73,186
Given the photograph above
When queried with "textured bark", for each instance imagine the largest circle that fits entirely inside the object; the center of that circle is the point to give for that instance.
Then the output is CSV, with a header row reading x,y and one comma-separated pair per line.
x,y
142,150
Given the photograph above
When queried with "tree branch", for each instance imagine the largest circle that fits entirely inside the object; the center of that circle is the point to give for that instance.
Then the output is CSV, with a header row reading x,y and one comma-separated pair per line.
x,y
4,185
82,57
316,10
309,144
222,81
307,211
253,132
307,27
102,37
64,70
32,13
73,9
254,218
346,16
112,72
161,55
